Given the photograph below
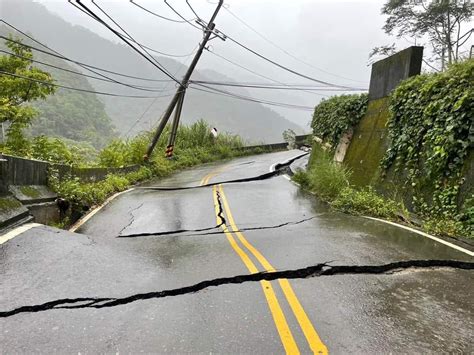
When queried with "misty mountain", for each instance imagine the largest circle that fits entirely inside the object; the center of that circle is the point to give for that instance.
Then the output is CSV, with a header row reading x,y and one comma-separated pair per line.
x,y
74,115
253,121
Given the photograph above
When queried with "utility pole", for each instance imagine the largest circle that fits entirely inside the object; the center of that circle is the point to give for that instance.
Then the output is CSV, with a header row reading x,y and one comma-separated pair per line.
x,y
174,126
179,96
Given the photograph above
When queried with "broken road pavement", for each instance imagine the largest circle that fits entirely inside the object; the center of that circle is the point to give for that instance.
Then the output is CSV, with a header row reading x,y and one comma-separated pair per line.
x,y
153,271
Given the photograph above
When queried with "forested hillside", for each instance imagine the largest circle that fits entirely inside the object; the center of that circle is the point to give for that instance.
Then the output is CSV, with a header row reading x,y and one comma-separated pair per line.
x,y
75,115
252,121
71,114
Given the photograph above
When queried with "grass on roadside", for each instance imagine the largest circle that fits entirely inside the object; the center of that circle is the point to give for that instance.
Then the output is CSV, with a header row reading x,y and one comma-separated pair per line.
x,y
194,146
330,182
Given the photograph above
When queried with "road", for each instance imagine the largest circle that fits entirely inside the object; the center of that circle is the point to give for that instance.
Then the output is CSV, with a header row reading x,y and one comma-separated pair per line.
x,y
166,269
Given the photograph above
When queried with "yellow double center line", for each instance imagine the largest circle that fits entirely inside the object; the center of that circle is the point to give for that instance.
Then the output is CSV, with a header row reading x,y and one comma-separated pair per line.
x,y
286,336
205,179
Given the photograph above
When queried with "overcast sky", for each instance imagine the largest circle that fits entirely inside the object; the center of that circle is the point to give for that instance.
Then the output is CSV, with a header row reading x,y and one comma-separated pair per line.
x,y
333,36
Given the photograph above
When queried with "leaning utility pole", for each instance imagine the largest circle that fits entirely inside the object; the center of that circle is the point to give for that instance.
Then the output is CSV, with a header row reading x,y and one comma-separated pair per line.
x,y
175,124
179,96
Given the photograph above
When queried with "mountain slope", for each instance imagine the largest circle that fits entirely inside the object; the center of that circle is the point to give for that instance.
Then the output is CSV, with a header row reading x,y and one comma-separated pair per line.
x,y
252,121
78,116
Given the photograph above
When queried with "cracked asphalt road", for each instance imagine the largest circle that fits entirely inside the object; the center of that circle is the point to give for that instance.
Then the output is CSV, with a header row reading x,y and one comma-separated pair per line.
x,y
159,271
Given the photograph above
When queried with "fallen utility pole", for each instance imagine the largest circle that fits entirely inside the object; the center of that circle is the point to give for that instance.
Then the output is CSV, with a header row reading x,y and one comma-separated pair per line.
x,y
179,96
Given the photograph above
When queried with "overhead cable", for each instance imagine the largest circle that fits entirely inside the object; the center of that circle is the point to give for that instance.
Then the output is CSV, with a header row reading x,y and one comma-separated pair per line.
x,y
247,98
158,15
79,73
284,50
76,89
59,55
159,67
219,32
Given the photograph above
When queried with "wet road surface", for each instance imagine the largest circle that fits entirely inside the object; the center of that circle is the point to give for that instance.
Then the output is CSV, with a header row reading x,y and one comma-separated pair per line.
x,y
178,271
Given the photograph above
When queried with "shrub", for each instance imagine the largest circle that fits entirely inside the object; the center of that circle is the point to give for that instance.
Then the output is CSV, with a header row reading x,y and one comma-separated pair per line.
x,y
330,181
54,150
116,154
336,115
365,202
430,127
326,178
431,135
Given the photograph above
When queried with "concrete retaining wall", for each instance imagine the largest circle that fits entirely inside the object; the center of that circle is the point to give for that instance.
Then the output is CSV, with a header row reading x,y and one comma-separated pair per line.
x,y
23,182
20,171
370,139
273,146
92,174
389,72
302,140
299,141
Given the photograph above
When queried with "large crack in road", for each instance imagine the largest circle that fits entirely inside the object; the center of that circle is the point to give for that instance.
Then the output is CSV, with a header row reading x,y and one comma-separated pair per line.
x,y
318,270
212,230
280,169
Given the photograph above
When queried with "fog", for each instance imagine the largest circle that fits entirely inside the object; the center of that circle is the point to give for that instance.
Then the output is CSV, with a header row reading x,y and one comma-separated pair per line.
x,y
334,37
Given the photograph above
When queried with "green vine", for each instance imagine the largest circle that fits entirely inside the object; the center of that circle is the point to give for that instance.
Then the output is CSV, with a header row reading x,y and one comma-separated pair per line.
x,y
335,116
431,132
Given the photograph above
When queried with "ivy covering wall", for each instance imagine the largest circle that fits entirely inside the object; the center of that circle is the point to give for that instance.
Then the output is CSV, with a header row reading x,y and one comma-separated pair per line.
x,y
429,158
431,133
335,116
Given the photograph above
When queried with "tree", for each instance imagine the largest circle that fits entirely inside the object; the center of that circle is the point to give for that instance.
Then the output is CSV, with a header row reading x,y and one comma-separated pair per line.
x,y
439,21
17,91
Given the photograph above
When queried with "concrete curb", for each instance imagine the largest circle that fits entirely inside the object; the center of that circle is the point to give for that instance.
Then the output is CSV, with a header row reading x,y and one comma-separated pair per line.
x,y
89,215
437,239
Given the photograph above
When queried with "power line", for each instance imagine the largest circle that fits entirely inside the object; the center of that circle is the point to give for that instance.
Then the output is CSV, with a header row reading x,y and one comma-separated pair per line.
x,y
268,59
285,51
156,99
184,19
268,103
251,99
194,12
74,72
157,15
272,87
84,66
255,73
127,42
59,55
77,89
286,68
151,104
131,39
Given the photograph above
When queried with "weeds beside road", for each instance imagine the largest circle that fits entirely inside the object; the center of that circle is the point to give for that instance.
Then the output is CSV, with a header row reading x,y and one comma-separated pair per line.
x,y
194,146
330,182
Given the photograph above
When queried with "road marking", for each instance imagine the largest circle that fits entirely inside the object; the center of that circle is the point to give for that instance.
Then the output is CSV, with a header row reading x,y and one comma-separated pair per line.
x,y
439,240
204,179
314,341
17,231
91,214
213,173
454,246
273,166
283,329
